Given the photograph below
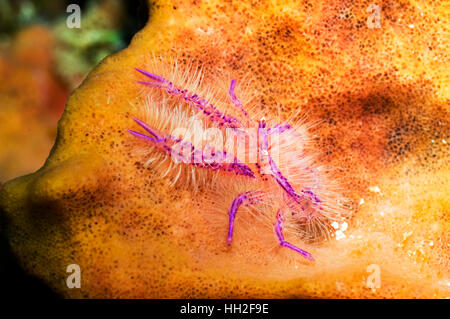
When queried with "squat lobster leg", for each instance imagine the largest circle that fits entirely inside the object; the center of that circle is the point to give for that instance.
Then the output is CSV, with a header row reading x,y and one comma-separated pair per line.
x,y
283,243
244,199
234,99
200,104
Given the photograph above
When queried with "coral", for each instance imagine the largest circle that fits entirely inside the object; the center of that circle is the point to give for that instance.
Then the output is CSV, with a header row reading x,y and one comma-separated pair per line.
x,y
78,50
378,99
32,101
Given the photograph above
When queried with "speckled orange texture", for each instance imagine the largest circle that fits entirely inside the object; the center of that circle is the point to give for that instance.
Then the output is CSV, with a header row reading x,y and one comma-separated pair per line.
x,y
379,96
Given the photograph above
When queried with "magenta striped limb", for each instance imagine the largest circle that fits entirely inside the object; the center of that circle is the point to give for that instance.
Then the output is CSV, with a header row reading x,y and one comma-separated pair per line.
x,y
283,181
201,104
152,76
279,128
244,199
279,232
235,100
307,196
274,171
169,144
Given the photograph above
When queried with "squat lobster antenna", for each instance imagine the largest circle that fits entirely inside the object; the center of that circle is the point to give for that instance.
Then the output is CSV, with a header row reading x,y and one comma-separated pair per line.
x,y
283,243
